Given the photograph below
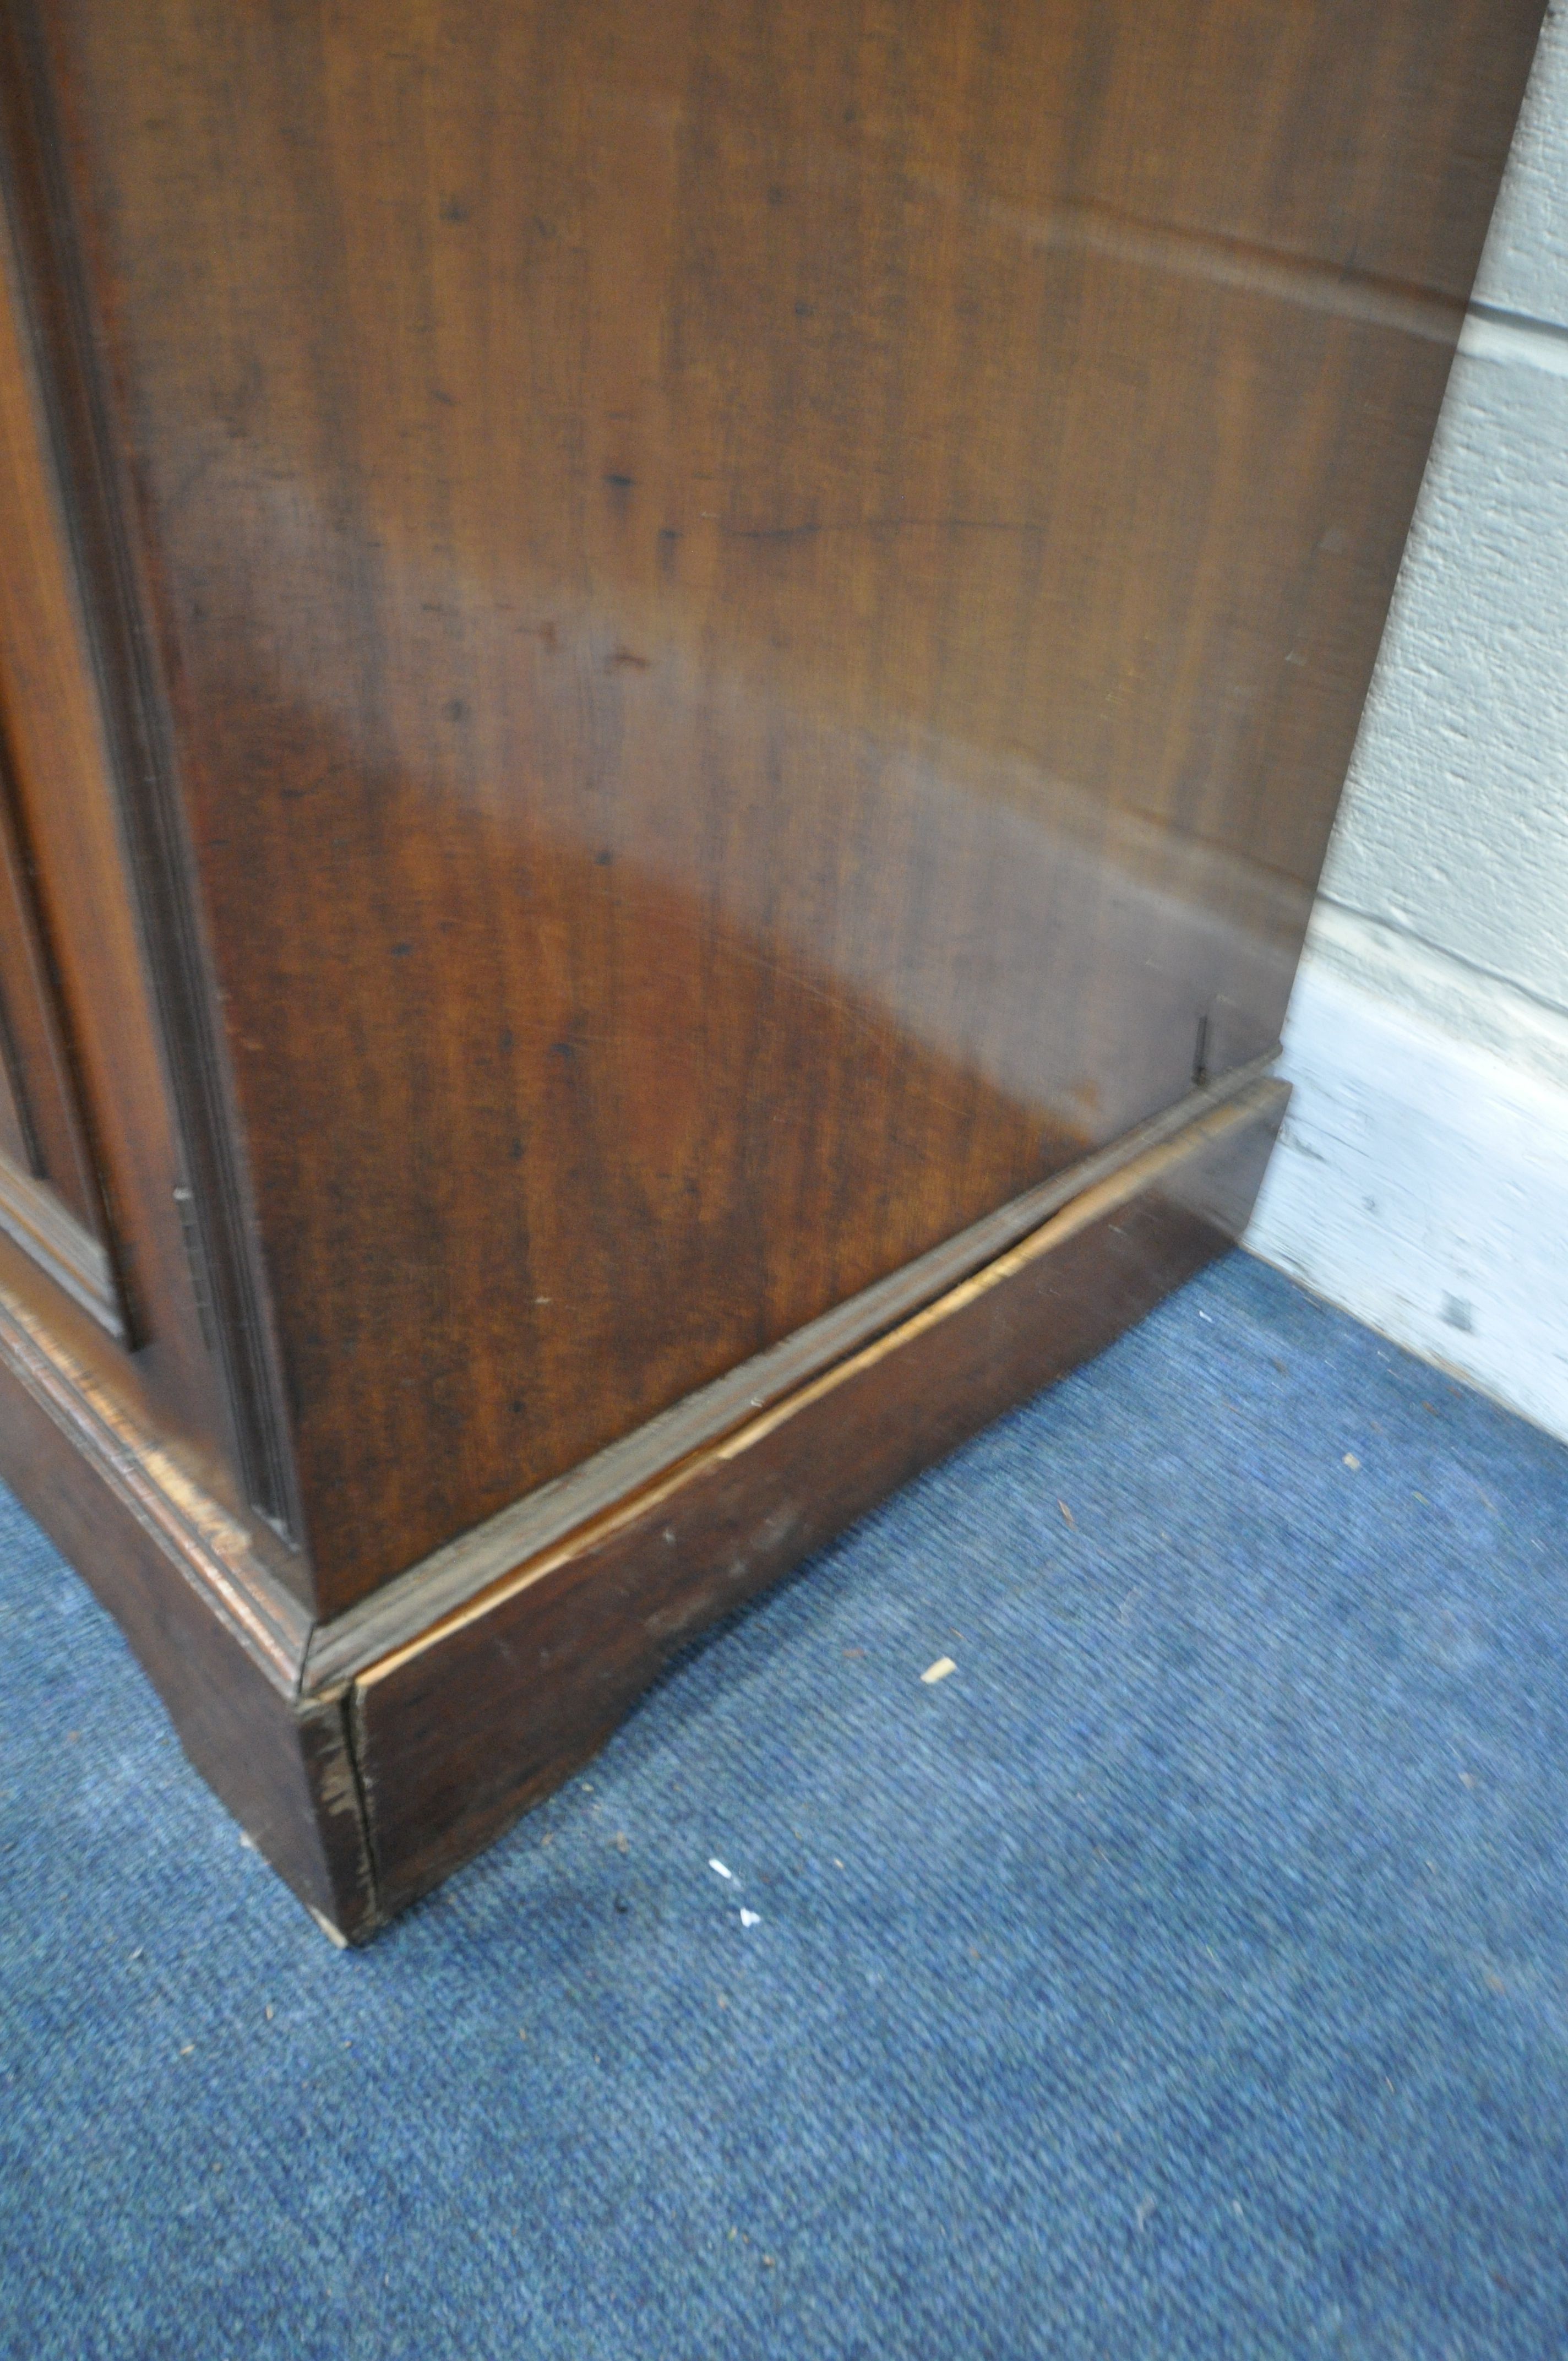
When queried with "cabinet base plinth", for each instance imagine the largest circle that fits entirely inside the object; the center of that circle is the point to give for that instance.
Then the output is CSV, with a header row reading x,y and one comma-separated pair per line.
x,y
369,1758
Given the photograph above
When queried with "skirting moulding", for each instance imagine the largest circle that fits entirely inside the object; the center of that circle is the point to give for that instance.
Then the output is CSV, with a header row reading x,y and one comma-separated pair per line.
x,y
670,701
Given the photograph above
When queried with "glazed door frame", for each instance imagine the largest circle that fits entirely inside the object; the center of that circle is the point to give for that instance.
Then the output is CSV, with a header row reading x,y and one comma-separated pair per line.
x,y
50,1204
98,894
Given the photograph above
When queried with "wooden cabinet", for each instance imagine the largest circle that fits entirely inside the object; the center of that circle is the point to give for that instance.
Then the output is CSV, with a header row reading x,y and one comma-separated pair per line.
x,y
49,1203
674,682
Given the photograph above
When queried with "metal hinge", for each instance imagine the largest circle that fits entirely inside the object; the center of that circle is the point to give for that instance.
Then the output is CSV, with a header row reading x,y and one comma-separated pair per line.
x,y
196,1264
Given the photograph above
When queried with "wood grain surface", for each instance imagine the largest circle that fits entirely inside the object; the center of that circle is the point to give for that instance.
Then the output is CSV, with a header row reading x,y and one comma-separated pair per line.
x,y
762,613
76,984
219,1636
96,774
479,1715
46,1136
365,1772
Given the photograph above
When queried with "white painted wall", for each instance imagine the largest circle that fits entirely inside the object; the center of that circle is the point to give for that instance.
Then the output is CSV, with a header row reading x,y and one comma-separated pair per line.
x,y
1423,1178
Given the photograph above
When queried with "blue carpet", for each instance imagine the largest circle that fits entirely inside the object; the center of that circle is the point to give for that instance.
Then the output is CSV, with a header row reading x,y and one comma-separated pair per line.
x,y
1185,1974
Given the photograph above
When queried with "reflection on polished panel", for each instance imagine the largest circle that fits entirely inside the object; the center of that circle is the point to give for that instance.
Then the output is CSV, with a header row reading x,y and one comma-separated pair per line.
x,y
764,633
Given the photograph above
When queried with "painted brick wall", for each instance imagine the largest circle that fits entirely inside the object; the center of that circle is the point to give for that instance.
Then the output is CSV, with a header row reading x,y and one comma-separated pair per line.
x,y
1422,1182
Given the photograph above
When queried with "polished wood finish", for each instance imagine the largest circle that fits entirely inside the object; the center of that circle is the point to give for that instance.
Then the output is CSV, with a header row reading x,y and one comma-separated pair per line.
x,y
369,1757
761,613
44,1134
56,1245
476,1718
49,1203
97,1012
671,680
85,724
216,1633
446,1580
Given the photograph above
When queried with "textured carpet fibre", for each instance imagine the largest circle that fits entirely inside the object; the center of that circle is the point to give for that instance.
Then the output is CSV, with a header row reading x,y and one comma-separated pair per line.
x,y
1185,1973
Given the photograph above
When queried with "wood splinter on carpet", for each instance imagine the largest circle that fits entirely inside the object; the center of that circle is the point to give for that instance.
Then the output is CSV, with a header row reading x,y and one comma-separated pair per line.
x,y
939,1670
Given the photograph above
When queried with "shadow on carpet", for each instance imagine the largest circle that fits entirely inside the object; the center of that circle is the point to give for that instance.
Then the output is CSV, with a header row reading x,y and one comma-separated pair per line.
x,y
1186,1973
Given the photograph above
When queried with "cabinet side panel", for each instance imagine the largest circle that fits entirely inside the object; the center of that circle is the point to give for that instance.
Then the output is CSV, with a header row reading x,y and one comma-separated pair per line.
x,y
763,613
477,1718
